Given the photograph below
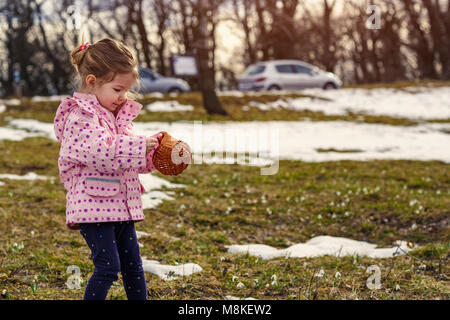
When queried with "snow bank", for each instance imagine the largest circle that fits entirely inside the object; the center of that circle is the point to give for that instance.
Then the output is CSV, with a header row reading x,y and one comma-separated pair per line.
x,y
168,272
151,197
411,103
168,106
321,246
298,140
28,176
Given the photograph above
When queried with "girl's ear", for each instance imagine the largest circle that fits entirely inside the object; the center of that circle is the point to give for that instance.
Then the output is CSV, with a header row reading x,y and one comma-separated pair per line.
x,y
91,81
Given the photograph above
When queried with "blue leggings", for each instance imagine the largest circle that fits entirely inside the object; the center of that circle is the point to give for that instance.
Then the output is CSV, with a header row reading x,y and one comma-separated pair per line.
x,y
114,248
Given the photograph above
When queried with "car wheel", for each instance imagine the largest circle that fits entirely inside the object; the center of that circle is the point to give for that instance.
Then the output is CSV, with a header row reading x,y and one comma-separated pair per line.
x,y
329,86
274,87
175,90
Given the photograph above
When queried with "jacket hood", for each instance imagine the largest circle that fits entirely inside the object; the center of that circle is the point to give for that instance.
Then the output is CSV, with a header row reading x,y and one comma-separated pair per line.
x,y
90,105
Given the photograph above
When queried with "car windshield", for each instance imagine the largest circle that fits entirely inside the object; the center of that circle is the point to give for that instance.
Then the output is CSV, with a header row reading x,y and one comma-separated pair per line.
x,y
254,69
147,73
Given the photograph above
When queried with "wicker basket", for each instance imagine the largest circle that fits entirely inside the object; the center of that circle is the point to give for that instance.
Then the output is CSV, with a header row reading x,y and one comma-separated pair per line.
x,y
168,147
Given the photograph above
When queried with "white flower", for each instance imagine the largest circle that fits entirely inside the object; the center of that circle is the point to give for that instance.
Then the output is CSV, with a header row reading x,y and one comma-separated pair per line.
x,y
240,285
320,274
269,211
319,216
32,233
337,275
273,277
413,202
397,287
207,201
234,278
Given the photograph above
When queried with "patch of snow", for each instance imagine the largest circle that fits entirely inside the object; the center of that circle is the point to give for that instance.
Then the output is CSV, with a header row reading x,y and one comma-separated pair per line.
x,y
416,104
168,272
28,176
236,298
47,98
168,106
298,140
16,134
10,102
321,246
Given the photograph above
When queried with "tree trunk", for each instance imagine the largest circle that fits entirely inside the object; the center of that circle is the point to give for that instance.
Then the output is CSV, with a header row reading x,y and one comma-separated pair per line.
x,y
206,76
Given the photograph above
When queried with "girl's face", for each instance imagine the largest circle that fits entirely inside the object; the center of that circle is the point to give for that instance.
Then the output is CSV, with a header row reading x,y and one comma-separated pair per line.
x,y
113,94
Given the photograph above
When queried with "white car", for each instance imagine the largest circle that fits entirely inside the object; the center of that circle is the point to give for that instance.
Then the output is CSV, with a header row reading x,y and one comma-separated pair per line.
x,y
286,75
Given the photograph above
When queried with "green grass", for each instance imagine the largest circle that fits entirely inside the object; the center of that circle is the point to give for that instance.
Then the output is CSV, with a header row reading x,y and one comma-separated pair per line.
x,y
376,201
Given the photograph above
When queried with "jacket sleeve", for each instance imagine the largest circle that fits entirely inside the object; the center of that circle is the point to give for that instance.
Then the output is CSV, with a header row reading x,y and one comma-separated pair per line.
x,y
87,143
149,167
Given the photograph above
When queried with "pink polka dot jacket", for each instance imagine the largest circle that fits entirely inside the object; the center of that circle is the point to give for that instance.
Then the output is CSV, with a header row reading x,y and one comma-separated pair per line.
x,y
99,161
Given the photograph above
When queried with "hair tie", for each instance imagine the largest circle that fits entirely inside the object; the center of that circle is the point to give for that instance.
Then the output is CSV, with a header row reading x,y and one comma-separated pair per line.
x,y
84,46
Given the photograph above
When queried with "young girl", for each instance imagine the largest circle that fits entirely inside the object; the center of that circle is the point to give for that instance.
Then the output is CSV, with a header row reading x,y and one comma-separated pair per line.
x,y
99,163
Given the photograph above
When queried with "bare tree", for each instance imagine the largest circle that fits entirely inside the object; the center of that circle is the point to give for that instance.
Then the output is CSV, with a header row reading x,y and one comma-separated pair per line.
x,y
202,40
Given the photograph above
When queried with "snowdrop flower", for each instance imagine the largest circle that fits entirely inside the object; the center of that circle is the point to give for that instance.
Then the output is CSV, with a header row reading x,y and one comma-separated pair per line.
x,y
302,199
182,207
207,201
346,213
234,278
338,193
397,287
273,277
263,199
18,246
255,282
226,194
240,285
228,210
413,202
222,259
32,233
438,191
319,216
337,275
269,211
414,226
319,274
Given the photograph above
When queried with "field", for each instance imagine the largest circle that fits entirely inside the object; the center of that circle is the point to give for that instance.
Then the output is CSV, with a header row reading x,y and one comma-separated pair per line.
x,y
378,201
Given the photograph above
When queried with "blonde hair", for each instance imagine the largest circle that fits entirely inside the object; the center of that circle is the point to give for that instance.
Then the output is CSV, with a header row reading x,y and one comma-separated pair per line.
x,y
104,59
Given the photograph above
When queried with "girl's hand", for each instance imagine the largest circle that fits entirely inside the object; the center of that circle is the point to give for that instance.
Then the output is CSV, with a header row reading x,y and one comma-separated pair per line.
x,y
151,142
